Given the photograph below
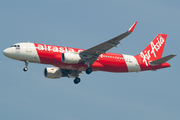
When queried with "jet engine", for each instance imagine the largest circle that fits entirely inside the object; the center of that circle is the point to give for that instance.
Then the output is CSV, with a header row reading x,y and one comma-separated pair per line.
x,y
52,72
70,58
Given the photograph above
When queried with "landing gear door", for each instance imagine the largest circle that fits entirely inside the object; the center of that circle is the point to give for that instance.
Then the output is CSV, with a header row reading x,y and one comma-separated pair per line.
x,y
28,47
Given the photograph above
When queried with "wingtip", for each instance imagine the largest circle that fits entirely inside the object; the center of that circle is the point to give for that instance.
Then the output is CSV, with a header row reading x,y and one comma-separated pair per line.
x,y
132,27
173,55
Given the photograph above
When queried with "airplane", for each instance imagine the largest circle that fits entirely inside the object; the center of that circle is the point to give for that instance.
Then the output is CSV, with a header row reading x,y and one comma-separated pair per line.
x,y
71,62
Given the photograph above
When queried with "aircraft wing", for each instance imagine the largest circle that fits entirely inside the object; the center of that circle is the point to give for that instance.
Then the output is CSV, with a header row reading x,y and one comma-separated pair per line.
x,y
93,53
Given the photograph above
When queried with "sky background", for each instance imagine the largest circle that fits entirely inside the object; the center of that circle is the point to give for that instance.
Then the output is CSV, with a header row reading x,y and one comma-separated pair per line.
x,y
150,95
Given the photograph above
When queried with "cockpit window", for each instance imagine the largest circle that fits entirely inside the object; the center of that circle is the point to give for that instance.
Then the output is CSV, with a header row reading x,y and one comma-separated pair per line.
x,y
15,46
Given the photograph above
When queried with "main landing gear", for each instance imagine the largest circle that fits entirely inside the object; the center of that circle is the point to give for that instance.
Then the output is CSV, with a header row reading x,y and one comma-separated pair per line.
x,y
89,70
26,64
77,80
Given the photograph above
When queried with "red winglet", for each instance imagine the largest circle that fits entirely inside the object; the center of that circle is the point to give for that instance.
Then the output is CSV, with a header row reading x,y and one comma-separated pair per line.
x,y
132,27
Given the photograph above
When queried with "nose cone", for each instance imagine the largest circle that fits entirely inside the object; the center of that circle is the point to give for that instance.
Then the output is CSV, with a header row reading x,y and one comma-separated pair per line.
x,y
6,52
9,52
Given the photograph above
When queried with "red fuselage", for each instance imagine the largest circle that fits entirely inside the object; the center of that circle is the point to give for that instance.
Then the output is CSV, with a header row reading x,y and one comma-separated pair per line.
x,y
110,62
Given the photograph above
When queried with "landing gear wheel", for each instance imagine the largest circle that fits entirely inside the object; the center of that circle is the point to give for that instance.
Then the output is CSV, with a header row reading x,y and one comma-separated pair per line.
x,y
25,69
88,70
26,64
77,80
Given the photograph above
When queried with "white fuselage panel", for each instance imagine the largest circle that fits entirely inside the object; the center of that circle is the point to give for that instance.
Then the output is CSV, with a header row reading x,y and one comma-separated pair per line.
x,y
25,51
132,64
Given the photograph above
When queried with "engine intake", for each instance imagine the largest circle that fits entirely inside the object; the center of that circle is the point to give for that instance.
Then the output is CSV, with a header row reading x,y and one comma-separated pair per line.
x,y
70,58
52,72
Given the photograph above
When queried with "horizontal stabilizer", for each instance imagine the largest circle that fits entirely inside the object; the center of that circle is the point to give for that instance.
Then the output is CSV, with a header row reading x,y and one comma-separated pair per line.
x,y
161,60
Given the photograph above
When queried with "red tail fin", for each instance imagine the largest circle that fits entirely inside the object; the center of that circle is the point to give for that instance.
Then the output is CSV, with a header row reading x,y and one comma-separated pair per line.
x,y
155,49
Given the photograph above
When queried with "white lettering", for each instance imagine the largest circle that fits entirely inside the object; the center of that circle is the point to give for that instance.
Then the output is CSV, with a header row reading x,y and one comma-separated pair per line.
x,y
55,49
80,51
61,50
146,55
45,48
40,47
153,47
65,49
49,48
71,50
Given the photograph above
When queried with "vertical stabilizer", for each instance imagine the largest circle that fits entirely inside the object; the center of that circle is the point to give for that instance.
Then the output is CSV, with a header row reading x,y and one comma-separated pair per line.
x,y
155,49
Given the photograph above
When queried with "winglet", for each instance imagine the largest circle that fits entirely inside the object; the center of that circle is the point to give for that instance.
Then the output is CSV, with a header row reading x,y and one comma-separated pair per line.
x,y
132,27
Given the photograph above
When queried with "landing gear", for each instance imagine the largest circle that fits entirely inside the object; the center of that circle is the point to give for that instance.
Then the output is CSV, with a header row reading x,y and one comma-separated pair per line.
x,y
25,69
88,70
77,80
26,64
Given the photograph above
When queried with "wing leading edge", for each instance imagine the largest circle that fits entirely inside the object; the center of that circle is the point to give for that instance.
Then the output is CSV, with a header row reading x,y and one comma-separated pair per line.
x,y
90,55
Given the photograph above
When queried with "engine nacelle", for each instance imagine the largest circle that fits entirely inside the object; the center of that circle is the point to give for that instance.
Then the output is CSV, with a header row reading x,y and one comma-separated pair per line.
x,y
70,58
52,72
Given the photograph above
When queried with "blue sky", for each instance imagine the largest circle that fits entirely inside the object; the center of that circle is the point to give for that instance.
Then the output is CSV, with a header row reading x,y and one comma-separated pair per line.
x,y
82,24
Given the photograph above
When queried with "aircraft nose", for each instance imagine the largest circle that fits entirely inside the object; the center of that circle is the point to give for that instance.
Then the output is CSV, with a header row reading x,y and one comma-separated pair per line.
x,y
6,52
10,53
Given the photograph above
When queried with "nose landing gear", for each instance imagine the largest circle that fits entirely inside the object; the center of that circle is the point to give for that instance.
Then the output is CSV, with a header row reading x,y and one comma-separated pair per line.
x,y
25,69
26,64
